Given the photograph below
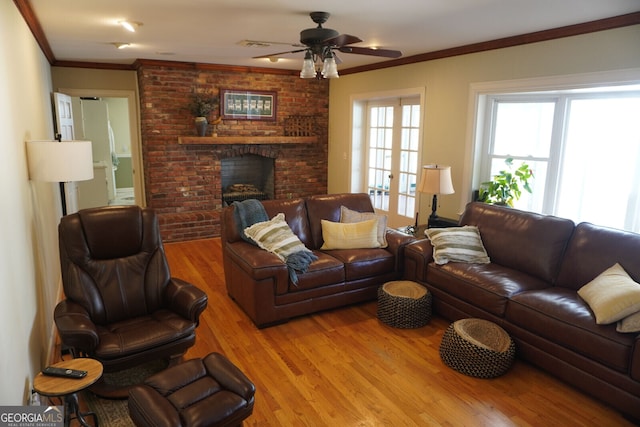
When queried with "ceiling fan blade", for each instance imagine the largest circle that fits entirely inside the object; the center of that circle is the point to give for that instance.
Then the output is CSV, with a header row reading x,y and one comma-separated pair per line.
x,y
271,55
387,53
341,40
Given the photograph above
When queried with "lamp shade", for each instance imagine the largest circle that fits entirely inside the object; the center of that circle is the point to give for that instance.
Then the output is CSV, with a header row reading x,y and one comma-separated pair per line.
x,y
436,179
64,161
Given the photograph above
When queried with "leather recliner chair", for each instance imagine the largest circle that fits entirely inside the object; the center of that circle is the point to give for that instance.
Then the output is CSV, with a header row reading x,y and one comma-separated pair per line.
x,y
122,306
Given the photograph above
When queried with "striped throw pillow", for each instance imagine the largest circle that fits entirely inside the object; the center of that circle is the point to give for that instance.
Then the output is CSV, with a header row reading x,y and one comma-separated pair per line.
x,y
457,244
276,237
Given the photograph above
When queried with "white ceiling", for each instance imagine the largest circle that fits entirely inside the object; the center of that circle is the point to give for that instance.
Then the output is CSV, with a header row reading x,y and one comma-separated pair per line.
x,y
209,31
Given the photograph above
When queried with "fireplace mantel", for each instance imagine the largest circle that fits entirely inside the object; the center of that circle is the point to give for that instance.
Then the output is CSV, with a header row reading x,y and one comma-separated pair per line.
x,y
229,140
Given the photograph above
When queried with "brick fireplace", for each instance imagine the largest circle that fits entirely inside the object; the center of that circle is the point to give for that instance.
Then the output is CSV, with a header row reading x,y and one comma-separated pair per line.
x,y
184,173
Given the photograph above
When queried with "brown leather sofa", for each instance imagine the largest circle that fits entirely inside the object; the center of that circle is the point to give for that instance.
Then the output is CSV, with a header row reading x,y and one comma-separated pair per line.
x,y
538,263
259,282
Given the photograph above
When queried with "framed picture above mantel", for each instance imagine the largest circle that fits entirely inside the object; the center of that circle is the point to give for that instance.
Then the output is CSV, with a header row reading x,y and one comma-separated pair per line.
x,y
248,104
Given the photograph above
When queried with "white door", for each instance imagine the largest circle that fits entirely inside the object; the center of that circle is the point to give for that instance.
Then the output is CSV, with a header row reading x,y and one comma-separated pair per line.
x,y
64,116
393,146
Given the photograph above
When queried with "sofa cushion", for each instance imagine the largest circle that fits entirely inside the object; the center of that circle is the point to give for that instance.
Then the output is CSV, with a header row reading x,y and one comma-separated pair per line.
x,y
363,263
592,249
327,206
457,244
348,215
488,286
295,213
357,235
612,296
324,271
561,316
524,241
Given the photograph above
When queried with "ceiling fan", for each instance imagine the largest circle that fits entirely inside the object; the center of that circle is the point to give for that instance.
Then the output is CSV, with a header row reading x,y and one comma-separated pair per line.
x,y
320,44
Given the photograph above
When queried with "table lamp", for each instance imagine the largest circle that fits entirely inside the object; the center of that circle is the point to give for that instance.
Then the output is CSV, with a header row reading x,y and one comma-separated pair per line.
x,y
60,161
435,179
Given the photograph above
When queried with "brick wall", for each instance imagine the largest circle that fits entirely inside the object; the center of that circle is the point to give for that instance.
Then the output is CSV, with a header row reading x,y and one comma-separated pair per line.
x,y
182,182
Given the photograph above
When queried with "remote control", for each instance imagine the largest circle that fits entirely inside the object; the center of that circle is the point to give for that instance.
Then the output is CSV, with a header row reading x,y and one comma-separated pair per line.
x,y
62,372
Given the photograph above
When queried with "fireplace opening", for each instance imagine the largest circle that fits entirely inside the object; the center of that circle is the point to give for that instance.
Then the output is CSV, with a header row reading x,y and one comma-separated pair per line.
x,y
247,177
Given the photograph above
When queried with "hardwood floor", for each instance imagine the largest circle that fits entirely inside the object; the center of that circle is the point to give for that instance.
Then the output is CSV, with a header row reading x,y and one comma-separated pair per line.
x,y
346,368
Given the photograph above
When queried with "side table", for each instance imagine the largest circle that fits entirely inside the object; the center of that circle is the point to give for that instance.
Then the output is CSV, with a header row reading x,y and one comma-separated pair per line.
x,y
68,388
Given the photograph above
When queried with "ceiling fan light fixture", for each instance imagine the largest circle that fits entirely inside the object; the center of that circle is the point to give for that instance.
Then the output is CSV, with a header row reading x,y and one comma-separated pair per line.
x,y
308,67
329,67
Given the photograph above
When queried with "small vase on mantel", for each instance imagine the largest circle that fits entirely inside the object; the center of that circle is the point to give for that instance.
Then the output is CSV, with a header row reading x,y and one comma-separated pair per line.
x,y
201,126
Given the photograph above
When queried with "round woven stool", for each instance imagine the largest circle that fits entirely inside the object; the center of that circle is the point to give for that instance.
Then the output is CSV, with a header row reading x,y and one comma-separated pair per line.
x,y
404,304
477,348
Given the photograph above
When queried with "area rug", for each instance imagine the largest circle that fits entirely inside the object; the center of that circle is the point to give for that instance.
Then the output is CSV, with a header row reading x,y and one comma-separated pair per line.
x,y
114,412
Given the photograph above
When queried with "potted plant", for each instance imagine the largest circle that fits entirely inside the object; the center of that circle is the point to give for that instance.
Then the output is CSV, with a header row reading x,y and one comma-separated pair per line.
x,y
201,105
506,187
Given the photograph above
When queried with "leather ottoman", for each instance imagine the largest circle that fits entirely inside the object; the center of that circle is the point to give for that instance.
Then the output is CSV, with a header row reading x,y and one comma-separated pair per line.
x,y
210,391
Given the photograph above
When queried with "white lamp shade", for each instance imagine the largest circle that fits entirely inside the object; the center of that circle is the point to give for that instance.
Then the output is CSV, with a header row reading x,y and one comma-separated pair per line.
x,y
330,69
308,69
436,179
64,161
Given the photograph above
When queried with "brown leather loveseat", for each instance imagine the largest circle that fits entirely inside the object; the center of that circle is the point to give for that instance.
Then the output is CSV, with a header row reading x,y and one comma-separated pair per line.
x,y
530,288
259,282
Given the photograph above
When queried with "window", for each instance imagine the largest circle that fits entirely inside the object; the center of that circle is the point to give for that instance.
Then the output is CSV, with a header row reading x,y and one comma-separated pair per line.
x,y
582,145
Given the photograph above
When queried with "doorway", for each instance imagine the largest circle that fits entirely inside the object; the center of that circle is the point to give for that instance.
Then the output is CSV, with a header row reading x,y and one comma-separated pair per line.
x,y
110,120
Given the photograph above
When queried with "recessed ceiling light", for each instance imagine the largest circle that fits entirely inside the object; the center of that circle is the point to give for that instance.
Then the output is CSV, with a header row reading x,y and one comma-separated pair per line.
x,y
130,25
120,45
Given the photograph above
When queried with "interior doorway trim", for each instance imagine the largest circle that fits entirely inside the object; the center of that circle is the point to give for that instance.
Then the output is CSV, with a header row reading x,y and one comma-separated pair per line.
x,y
134,131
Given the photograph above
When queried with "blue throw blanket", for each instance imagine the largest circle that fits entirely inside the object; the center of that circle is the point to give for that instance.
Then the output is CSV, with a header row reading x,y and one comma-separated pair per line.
x,y
247,213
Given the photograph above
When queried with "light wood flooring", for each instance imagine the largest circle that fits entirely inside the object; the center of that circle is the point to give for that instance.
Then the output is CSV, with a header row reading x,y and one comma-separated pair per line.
x,y
345,368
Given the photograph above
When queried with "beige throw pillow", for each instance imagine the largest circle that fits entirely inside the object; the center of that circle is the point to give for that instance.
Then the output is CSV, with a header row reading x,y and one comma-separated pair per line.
x,y
612,296
357,235
349,215
629,323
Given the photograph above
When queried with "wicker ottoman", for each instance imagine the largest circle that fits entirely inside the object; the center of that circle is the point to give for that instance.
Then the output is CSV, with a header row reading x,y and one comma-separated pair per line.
x,y
404,304
477,348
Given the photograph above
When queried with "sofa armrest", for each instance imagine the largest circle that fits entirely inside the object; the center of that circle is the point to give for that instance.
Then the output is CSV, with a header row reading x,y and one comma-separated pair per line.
x,y
185,299
75,326
417,256
397,242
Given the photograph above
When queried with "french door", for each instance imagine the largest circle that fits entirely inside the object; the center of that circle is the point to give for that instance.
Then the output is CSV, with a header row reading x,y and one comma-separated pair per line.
x,y
393,147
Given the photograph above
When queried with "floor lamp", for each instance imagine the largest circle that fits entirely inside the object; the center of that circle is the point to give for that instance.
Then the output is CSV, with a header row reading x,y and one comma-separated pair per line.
x,y
435,179
60,161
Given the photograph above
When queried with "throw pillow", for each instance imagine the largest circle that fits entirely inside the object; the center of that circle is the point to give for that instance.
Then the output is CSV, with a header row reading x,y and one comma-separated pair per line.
x,y
612,296
629,323
276,237
357,235
457,244
347,215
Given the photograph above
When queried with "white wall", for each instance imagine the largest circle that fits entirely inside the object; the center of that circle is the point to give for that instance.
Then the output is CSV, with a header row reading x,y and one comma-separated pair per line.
x,y
29,212
447,86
